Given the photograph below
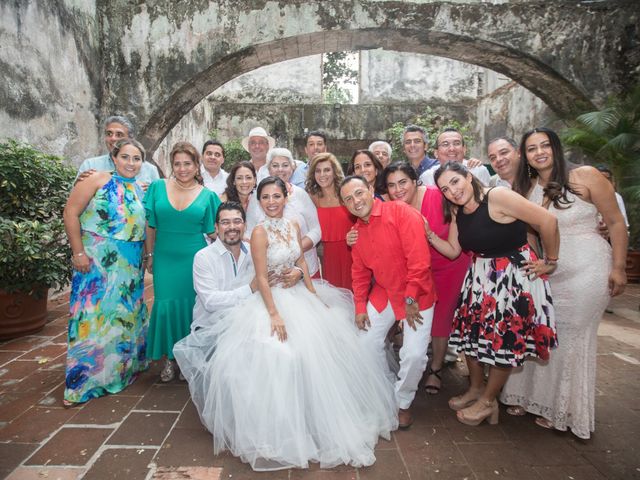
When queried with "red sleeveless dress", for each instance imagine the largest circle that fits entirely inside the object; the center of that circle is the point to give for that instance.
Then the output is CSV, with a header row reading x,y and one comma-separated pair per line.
x,y
335,222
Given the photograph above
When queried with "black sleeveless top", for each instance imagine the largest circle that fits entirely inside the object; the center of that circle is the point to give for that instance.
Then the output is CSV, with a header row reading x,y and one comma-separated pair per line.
x,y
478,233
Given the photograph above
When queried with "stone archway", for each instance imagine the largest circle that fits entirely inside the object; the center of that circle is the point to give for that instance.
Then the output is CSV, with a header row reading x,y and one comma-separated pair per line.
x,y
163,59
552,88
67,65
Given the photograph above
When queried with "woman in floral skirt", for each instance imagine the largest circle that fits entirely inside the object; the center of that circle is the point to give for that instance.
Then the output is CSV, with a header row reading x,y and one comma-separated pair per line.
x,y
505,313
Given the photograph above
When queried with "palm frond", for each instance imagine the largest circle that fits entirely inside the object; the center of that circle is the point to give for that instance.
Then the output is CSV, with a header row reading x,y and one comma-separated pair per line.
x,y
602,121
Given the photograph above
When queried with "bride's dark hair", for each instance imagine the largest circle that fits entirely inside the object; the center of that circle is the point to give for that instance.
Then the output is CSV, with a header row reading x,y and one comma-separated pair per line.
x,y
272,181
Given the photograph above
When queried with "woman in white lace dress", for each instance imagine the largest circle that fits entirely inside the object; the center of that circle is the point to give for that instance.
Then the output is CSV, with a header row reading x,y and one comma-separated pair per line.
x,y
589,272
286,380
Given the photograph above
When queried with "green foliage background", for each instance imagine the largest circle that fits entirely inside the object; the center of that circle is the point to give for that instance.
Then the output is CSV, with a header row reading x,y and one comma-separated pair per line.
x,y
612,136
34,188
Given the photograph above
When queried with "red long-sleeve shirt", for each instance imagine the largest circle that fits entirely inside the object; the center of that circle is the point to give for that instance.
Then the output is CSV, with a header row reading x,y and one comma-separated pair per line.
x,y
392,248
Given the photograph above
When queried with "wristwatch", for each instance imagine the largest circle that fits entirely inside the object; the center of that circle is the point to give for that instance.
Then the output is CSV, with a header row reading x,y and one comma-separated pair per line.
x,y
409,300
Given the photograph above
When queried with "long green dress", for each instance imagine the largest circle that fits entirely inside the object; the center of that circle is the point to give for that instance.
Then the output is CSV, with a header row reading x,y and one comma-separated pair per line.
x,y
179,235
108,324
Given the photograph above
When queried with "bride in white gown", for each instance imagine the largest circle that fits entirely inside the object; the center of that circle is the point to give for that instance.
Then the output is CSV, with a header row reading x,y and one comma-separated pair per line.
x,y
281,380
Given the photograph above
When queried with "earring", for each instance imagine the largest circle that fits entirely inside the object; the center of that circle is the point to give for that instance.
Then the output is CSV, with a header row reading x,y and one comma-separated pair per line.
x,y
529,172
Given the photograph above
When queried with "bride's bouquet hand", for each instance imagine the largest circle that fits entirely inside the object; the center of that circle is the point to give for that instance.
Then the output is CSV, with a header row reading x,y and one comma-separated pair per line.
x,y
277,327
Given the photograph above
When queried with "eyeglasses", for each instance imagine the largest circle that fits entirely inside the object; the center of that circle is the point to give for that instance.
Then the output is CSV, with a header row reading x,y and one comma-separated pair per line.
x,y
255,143
236,222
455,143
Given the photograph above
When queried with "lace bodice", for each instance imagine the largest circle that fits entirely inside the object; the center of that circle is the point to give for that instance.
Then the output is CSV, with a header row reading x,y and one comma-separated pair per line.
x,y
580,218
283,249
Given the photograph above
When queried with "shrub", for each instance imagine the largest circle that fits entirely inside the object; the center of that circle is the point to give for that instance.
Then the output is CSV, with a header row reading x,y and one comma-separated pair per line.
x,y
34,187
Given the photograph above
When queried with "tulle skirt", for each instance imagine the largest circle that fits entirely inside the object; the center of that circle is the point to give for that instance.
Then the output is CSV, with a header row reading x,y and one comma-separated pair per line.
x,y
318,397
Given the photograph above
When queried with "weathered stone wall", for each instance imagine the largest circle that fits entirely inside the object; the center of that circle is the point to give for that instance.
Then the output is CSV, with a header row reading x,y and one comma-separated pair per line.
x,y
50,76
404,83
168,56
298,80
67,63
510,110
396,77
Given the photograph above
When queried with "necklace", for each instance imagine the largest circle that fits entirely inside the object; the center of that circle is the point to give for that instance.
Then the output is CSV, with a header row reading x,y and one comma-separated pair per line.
x,y
184,188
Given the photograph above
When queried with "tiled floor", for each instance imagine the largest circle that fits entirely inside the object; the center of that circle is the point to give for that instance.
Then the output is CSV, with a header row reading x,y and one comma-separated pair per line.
x,y
152,430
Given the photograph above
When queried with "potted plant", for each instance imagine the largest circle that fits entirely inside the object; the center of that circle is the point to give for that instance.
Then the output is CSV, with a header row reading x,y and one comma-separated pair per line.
x,y
612,136
34,254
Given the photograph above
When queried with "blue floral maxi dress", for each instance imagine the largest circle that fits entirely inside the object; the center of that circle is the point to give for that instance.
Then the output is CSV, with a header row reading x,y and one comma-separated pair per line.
x,y
108,324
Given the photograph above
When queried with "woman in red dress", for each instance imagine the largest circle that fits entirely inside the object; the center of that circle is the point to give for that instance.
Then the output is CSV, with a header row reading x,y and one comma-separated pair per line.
x,y
322,184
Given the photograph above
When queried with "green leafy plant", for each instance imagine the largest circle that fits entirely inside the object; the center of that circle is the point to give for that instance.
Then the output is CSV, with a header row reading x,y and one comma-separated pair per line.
x,y
234,152
34,187
612,136
433,123
336,94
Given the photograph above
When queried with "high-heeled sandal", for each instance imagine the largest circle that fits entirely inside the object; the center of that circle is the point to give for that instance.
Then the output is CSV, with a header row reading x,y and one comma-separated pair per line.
x,y
465,400
488,411
544,423
433,389
516,411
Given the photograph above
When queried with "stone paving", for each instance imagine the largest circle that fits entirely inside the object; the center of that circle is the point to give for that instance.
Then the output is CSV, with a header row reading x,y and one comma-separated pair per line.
x,y
152,431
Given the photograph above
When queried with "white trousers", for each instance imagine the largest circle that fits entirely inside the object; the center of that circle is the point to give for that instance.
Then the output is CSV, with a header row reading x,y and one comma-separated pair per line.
x,y
413,354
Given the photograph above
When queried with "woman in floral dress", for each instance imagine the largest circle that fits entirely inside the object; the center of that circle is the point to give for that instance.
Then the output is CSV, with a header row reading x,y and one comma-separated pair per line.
x,y
105,223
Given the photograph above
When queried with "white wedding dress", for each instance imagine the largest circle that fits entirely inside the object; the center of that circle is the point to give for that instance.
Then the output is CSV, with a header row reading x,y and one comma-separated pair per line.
x,y
320,396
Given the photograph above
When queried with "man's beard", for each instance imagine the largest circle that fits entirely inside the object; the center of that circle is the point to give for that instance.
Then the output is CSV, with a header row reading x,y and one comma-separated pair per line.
x,y
232,242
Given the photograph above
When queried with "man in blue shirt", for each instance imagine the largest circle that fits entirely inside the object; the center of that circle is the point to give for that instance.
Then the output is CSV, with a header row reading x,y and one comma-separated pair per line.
x,y
415,143
117,128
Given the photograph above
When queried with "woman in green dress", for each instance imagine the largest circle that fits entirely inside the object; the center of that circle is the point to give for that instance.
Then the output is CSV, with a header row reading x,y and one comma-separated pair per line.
x,y
105,223
179,211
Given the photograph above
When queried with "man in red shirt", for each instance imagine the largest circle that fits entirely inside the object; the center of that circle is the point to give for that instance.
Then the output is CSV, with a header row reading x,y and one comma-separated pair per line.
x,y
392,251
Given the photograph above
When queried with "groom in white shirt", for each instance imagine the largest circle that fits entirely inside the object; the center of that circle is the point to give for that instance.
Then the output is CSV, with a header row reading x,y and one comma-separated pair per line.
x,y
223,272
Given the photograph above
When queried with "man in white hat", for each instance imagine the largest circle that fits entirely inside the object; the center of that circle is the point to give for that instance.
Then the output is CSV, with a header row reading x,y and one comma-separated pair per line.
x,y
258,143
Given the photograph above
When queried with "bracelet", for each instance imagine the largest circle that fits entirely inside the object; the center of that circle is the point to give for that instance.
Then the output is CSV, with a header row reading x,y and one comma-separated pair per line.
x,y
550,261
301,271
79,254
148,255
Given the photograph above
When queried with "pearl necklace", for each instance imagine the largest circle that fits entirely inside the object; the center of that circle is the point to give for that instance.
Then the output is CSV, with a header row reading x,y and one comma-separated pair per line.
x,y
181,187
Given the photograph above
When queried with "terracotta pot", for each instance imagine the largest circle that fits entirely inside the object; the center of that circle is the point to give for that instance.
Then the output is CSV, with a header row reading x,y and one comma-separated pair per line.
x,y
22,314
633,266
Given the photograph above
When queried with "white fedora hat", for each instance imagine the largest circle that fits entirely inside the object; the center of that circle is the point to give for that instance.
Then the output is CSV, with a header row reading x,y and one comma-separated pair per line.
x,y
258,132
